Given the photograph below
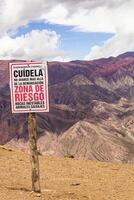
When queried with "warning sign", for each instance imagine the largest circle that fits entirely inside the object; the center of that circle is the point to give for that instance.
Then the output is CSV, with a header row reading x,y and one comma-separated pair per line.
x,y
29,87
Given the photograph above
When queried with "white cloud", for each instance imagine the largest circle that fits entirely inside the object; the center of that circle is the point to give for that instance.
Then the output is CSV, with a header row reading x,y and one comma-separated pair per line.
x,y
61,59
93,15
111,16
14,13
113,47
34,45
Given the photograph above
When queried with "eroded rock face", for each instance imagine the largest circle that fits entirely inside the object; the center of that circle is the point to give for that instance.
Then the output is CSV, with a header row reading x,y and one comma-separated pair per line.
x,y
91,110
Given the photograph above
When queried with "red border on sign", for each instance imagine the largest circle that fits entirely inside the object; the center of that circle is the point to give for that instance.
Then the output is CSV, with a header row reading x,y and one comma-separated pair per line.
x,y
45,88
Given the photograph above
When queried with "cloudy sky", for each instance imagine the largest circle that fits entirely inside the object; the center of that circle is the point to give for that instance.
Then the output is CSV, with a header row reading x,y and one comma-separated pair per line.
x,y
65,30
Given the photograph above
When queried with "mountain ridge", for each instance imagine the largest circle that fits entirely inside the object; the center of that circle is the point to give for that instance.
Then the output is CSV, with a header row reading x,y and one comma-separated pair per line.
x,y
95,97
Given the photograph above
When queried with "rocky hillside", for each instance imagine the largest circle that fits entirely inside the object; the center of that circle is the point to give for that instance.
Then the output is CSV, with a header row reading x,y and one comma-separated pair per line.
x,y
91,110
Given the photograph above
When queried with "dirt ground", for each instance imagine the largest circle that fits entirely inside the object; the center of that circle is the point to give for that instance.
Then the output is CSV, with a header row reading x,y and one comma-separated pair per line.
x,y
64,178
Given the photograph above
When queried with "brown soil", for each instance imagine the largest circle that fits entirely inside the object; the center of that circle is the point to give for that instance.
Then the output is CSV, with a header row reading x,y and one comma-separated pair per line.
x,y
64,178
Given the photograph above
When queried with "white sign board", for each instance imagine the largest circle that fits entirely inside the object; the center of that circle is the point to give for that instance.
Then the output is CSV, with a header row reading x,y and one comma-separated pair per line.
x,y
29,87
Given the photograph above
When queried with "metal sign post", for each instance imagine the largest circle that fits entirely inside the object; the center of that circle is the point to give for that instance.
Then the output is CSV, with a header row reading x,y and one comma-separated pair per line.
x,y
29,94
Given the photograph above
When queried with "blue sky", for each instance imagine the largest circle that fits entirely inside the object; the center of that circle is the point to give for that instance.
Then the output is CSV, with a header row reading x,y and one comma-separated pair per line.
x,y
65,30
75,44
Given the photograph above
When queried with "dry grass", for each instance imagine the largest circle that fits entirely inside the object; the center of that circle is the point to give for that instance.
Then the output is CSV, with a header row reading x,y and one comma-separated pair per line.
x,y
64,178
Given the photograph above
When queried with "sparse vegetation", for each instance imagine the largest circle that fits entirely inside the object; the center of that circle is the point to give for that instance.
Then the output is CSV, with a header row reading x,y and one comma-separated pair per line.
x,y
69,156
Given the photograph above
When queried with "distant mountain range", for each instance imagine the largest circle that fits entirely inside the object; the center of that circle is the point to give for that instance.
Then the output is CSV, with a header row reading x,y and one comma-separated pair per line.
x,y
91,110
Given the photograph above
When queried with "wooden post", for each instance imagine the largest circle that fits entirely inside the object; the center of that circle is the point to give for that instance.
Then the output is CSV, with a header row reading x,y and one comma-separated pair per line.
x,y
32,128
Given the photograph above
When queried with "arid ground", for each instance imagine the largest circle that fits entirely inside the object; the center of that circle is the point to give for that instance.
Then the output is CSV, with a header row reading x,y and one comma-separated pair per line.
x,y
64,178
